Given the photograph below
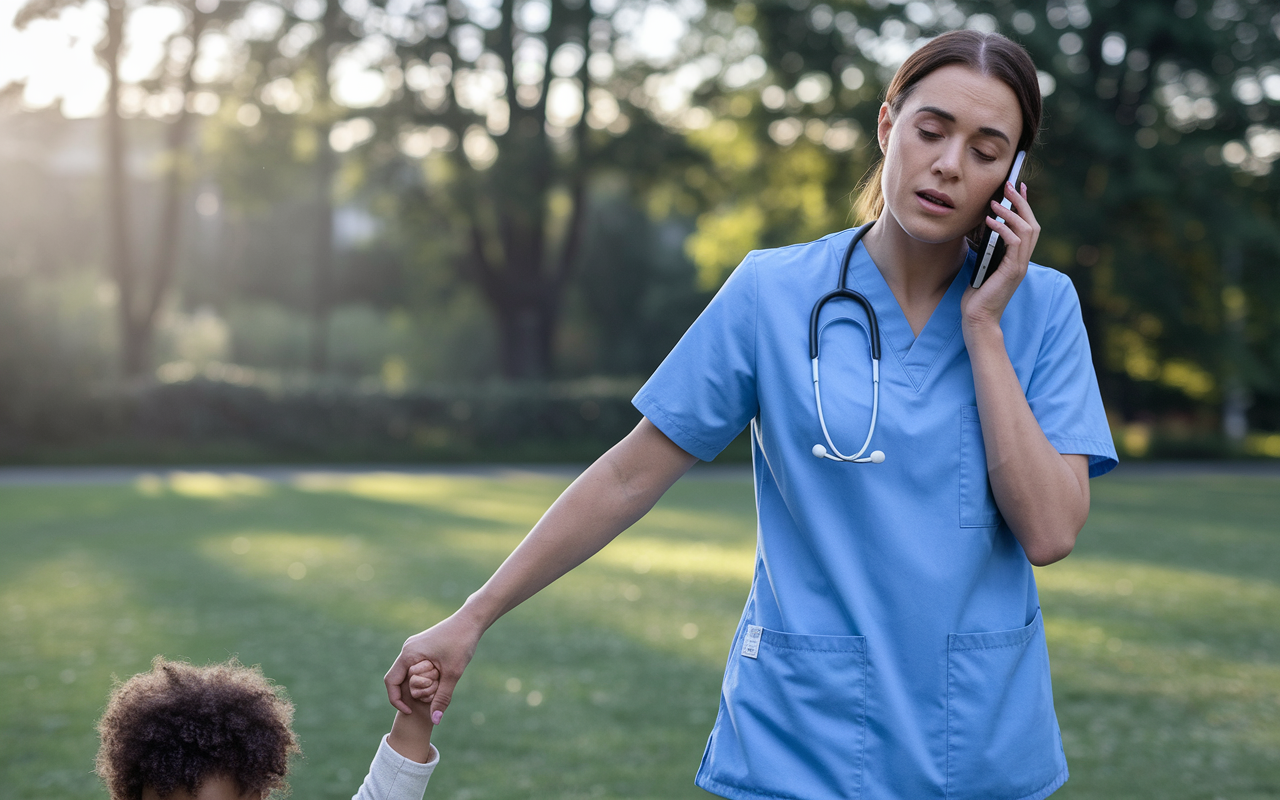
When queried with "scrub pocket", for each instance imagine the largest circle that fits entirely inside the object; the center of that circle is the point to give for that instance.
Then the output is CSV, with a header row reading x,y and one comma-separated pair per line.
x,y
792,720
1002,733
977,504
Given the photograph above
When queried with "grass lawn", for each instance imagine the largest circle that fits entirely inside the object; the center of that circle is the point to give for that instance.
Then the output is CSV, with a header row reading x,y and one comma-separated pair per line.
x,y
1163,628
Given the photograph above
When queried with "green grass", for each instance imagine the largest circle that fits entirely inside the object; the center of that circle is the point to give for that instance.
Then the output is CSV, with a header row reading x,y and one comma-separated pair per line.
x,y
1162,629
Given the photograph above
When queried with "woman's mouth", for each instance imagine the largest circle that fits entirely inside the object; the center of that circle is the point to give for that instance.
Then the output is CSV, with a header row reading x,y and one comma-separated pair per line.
x,y
936,201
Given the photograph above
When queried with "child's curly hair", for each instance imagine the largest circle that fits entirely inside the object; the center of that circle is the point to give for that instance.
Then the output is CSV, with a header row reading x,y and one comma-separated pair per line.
x,y
179,725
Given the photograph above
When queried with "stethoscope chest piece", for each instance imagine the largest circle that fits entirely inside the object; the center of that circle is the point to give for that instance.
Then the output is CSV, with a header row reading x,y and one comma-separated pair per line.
x,y
873,335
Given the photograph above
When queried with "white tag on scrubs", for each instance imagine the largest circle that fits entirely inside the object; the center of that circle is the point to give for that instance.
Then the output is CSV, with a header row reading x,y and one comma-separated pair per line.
x,y
751,645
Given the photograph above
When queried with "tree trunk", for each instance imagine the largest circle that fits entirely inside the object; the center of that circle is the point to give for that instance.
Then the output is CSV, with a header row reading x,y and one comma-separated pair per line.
x,y
526,334
133,346
1235,390
525,291
326,165
171,205
525,305
139,303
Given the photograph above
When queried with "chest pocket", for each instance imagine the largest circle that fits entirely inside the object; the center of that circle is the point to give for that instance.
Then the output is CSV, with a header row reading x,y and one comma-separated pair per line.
x,y
977,504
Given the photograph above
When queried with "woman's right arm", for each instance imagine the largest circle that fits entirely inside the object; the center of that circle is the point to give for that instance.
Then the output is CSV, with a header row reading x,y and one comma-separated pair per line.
x,y
606,499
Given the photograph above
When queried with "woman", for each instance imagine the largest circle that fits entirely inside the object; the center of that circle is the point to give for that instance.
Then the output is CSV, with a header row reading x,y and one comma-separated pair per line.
x,y
891,646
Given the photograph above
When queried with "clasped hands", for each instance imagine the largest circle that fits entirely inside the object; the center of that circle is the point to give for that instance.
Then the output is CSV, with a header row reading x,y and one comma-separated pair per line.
x,y
430,664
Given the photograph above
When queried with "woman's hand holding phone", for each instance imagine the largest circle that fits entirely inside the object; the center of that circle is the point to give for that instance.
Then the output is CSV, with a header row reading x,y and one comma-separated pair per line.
x,y
991,245
984,306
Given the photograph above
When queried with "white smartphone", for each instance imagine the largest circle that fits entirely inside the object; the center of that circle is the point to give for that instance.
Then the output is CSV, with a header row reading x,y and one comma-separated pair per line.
x,y
993,253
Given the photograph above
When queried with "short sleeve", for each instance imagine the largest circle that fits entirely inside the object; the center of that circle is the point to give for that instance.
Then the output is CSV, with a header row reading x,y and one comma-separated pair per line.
x,y
704,392
1063,391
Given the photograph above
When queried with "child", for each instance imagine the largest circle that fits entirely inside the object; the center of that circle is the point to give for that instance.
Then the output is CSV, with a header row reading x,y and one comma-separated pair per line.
x,y
222,732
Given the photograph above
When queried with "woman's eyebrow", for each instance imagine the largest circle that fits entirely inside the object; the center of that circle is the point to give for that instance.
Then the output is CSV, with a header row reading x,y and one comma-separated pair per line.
x,y
947,115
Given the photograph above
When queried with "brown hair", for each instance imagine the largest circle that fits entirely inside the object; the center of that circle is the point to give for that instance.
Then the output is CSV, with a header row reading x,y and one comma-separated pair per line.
x,y
987,53
179,725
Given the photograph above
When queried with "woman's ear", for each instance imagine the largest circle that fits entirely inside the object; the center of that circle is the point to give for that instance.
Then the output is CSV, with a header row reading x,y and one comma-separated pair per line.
x,y
884,124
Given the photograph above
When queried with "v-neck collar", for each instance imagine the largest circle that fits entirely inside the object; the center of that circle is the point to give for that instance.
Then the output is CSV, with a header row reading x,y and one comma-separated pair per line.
x,y
916,354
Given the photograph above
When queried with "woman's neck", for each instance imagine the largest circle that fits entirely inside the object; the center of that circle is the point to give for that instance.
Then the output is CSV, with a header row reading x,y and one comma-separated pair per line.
x,y
919,273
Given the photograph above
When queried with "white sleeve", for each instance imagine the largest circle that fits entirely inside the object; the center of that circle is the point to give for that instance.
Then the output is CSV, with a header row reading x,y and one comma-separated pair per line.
x,y
394,777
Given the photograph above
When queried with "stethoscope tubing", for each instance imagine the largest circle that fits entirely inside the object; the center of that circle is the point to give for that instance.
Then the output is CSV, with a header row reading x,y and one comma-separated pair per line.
x,y
873,337
835,454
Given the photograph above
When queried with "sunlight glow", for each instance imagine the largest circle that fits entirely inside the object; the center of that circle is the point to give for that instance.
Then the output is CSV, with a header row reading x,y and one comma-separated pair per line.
x,y
55,58
145,34
466,497
642,554
273,554
206,485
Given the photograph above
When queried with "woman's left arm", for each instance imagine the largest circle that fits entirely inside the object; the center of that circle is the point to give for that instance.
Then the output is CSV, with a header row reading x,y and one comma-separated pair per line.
x,y
1042,494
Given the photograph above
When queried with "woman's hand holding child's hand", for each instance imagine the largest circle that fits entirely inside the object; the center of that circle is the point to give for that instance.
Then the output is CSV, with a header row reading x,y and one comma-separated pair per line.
x,y
448,646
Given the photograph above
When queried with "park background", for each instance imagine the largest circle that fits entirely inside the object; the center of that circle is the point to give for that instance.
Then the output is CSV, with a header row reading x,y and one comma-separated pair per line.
x,y
262,230
421,233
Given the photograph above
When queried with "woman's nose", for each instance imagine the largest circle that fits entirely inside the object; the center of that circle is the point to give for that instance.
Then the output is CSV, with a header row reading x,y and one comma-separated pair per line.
x,y
947,164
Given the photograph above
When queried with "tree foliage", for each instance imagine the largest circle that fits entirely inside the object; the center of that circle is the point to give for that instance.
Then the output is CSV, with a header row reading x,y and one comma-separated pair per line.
x,y
590,170
1151,180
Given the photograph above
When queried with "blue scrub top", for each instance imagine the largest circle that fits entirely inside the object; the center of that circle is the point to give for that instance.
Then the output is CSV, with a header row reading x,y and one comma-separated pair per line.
x,y
891,646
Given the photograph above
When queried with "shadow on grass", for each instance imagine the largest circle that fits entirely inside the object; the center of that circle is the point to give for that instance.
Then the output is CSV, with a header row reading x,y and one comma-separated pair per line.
x,y
1160,629
603,703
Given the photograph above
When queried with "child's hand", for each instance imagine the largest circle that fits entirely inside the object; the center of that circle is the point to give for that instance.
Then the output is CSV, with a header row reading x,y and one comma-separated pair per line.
x,y
411,733
423,680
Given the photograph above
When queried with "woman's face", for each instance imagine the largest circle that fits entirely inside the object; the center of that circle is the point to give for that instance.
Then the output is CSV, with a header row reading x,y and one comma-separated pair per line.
x,y
947,151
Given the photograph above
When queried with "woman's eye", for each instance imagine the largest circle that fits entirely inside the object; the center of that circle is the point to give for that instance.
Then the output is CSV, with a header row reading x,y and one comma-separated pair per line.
x,y
983,156
932,135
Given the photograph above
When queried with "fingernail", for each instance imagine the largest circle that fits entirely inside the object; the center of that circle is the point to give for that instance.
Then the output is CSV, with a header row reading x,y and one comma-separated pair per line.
x,y
436,716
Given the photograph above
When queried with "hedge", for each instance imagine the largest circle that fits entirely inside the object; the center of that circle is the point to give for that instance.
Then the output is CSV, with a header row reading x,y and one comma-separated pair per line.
x,y
226,413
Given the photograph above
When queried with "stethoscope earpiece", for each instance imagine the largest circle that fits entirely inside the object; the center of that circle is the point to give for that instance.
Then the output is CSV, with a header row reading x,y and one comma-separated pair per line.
x,y
842,291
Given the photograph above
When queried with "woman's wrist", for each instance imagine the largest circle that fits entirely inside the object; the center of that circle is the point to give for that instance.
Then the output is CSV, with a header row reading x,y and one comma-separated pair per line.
x,y
479,611
982,335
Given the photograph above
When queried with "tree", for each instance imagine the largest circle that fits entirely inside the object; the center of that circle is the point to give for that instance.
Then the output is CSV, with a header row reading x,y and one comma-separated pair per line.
x,y
497,122
326,165
515,91
273,144
514,111
141,292
494,122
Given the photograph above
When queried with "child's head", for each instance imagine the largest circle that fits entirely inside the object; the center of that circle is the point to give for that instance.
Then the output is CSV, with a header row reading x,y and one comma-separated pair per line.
x,y
179,728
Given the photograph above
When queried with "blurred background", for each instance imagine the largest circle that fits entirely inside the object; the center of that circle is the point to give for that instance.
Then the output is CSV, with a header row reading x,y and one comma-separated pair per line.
x,y
459,230
467,230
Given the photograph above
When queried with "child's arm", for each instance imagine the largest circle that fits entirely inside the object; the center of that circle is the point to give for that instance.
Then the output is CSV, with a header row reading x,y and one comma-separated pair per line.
x,y
411,733
405,759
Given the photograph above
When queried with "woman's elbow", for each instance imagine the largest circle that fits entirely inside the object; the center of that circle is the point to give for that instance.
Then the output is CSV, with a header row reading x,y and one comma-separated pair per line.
x,y
1052,546
1042,555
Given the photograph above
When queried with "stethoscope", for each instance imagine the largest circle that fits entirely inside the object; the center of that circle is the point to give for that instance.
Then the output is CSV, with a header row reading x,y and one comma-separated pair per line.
x,y
873,337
